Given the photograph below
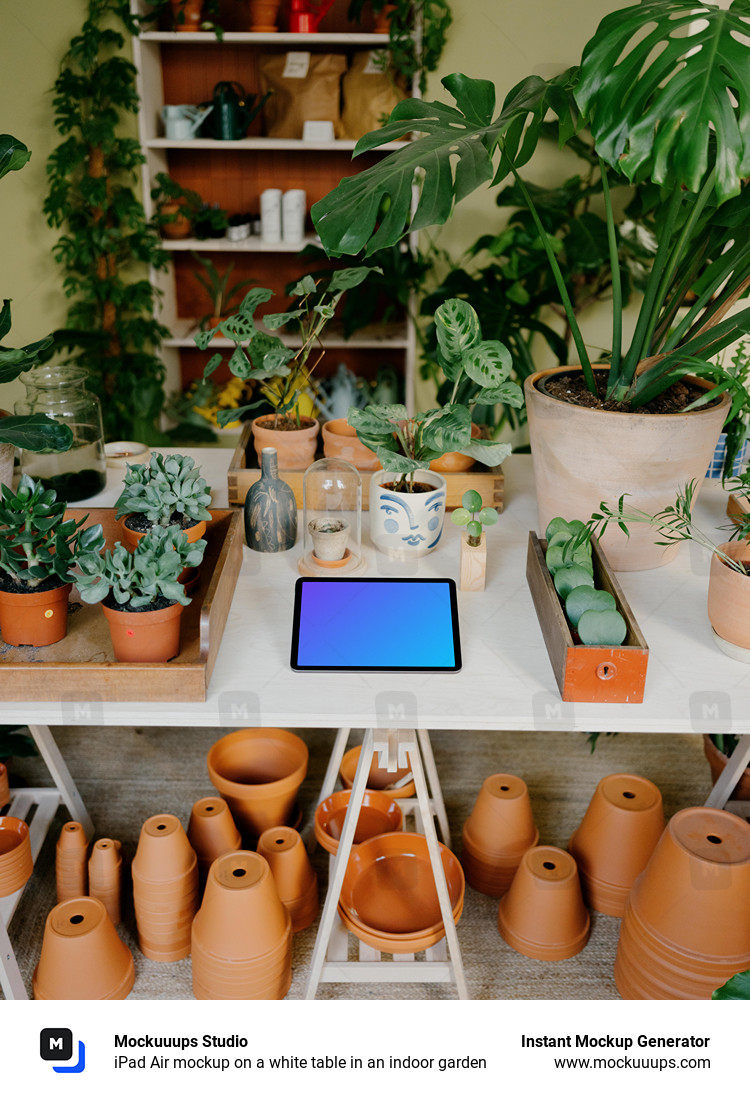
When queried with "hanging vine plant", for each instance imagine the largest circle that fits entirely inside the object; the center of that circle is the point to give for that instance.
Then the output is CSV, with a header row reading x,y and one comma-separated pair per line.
x,y
417,33
106,240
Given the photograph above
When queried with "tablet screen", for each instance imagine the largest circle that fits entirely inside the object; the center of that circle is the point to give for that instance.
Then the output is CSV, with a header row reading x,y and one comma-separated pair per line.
x,y
375,625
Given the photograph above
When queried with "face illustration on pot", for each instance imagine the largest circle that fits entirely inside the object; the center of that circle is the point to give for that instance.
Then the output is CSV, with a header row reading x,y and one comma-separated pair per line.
x,y
411,524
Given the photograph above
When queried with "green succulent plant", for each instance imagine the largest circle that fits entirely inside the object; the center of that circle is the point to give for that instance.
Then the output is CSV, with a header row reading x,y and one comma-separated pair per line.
x,y
137,578
473,516
36,541
590,611
169,486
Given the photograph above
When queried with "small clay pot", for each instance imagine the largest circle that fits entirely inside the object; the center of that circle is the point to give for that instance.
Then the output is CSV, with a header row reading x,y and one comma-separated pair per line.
x,y
379,778
4,786
165,889
16,863
380,813
295,449
496,834
145,635
82,956
729,599
211,832
34,618
542,915
105,876
130,537
329,538
340,441
295,879
71,862
187,14
615,839
263,16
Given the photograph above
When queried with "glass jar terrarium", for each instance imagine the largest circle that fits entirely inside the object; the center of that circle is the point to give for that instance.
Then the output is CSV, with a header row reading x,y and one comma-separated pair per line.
x,y
331,520
60,392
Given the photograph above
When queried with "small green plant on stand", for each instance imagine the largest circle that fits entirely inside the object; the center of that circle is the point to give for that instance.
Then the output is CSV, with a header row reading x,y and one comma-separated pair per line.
x,y
473,516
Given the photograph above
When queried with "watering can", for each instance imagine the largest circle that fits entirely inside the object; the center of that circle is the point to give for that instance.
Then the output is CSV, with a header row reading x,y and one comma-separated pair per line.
x,y
182,121
304,18
233,111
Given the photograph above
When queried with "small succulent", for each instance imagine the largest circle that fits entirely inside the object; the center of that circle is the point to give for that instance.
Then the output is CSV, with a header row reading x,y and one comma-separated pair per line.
x,y
590,611
140,577
169,486
473,516
36,541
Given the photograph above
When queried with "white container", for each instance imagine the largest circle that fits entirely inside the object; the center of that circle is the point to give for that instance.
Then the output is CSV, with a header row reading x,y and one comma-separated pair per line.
x,y
270,215
406,525
293,212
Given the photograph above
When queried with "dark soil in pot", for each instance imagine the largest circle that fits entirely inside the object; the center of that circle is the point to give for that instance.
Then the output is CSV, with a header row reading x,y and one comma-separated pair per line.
x,y
572,389
7,584
285,423
137,521
416,487
156,605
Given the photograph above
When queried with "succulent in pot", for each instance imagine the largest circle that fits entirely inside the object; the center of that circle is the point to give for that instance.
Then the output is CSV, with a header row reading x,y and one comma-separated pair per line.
x,y
38,551
168,490
140,591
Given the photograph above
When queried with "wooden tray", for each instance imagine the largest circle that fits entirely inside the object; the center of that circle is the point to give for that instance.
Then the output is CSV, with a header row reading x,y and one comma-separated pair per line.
x,y
82,665
244,472
587,673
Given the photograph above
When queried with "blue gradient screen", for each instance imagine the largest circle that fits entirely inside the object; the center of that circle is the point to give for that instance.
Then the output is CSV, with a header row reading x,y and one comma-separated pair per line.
x,y
376,624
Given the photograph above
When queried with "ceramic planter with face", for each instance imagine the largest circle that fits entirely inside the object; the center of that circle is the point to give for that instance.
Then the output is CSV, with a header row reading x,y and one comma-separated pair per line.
x,y
406,525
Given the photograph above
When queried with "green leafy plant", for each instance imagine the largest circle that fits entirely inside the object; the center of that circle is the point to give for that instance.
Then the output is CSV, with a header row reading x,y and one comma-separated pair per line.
x,y
283,373
221,292
176,15
36,542
736,989
405,443
738,418
417,33
473,516
168,194
106,241
135,579
662,86
210,221
168,488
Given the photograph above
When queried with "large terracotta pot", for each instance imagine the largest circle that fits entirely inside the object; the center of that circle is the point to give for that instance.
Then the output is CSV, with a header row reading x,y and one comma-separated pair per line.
x,y
295,449
584,456
729,599
340,441
34,618
83,958
406,525
145,635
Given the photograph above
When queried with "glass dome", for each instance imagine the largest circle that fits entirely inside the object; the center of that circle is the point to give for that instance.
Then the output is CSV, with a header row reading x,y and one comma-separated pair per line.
x,y
331,520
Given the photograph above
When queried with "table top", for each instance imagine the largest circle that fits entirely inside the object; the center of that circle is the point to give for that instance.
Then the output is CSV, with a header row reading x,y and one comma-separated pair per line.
x,y
506,682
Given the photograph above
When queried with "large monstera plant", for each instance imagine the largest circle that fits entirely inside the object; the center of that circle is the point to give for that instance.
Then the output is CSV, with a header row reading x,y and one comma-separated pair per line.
x,y
664,88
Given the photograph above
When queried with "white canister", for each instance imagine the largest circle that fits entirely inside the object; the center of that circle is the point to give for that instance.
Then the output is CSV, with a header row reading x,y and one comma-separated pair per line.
x,y
270,215
293,212
406,525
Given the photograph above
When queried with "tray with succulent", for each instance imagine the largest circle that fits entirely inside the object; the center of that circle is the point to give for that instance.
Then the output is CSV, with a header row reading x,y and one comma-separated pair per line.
x,y
168,490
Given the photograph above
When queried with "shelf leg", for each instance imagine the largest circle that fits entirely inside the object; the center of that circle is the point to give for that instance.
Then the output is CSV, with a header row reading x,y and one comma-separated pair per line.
x,y
733,769
435,789
61,777
10,975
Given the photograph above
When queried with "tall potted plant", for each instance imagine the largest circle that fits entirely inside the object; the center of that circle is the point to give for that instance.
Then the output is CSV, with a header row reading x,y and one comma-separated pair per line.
x,y
662,86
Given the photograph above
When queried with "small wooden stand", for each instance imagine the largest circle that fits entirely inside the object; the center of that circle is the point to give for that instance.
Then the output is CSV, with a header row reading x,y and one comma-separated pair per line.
x,y
473,564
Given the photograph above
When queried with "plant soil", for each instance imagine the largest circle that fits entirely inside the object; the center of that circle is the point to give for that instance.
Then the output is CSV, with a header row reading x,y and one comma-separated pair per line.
x,y
156,605
7,584
137,521
414,487
572,389
286,423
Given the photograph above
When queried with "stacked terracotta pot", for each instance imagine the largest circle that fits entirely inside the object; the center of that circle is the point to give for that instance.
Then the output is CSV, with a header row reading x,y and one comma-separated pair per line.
x,y
16,864
71,861
165,889
293,874
242,933
4,786
105,875
543,915
498,831
211,832
379,813
82,956
686,928
398,784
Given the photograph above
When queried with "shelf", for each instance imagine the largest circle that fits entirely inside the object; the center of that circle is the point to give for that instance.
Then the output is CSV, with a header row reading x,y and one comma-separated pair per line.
x,y
391,335
277,38
221,244
270,145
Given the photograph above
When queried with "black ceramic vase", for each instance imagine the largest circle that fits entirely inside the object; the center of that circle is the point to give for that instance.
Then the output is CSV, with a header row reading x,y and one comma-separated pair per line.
x,y
270,509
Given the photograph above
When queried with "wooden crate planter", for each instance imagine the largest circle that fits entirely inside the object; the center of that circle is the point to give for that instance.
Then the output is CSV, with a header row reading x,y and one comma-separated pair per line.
x,y
244,472
585,673
82,666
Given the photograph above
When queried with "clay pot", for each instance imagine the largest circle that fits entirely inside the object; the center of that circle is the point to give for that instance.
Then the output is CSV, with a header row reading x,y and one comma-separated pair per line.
x,y
258,772
379,779
145,635
34,618
717,761
729,600
295,449
131,538
329,538
615,839
187,15
295,879
83,958
453,462
382,23
4,786
682,935
340,441
498,831
379,813
542,915
398,944
71,862
165,889
569,442
263,16
178,227
211,832
105,876
16,863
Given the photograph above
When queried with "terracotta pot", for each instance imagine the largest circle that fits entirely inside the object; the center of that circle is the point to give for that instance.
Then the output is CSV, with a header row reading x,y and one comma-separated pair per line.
x,y
263,16
131,538
4,786
187,15
379,813
165,888
340,441
105,876
681,937
382,23
398,944
83,958
295,449
145,635
453,462
295,879
34,618
717,761
584,456
211,832
498,831
542,915
406,525
180,225
258,772
16,864
615,839
7,459
71,862
379,779
729,599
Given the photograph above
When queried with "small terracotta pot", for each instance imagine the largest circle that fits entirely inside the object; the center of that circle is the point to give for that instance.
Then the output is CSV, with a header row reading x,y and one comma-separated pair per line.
x,y
180,225
542,915
34,618
498,831
187,15
295,449
382,23
16,864
453,462
295,879
263,16
4,786
105,876
145,636
165,888
717,761
71,862
211,832
380,813
258,772
379,778
131,538
615,839
83,958
729,597
340,441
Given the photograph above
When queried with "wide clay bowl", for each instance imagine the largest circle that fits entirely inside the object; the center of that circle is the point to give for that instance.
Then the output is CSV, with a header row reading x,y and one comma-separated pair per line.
x,y
16,864
398,944
379,779
389,886
380,813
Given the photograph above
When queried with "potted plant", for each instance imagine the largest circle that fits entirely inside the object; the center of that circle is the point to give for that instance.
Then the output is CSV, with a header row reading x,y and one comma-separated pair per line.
x,y
283,372
407,499
38,550
211,222
218,288
474,518
169,490
417,30
329,537
140,591
636,89
177,207
730,449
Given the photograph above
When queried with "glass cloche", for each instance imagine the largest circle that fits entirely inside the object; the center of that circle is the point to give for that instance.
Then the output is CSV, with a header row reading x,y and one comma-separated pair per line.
x,y
332,520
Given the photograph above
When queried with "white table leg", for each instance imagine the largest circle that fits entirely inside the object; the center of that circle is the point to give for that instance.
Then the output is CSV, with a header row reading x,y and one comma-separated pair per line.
x,y
733,769
10,975
436,792
62,778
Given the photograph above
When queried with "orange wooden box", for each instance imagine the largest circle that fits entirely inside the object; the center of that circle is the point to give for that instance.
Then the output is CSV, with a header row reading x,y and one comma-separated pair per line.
x,y
585,673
